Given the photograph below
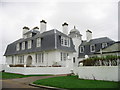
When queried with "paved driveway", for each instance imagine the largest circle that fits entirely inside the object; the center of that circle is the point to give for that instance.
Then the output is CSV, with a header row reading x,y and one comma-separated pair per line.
x,y
23,82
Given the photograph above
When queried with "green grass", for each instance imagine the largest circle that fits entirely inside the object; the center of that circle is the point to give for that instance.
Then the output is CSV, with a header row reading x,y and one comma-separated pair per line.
x,y
74,82
5,75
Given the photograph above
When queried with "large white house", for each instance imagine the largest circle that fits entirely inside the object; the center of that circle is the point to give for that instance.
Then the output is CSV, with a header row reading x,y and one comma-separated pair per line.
x,y
44,48
41,48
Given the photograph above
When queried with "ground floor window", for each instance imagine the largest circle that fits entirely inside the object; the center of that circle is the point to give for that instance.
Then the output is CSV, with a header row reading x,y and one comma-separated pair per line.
x,y
12,59
64,56
40,58
21,59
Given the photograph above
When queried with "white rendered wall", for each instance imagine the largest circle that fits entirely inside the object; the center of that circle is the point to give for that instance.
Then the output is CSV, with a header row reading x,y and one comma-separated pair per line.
x,y
38,70
9,59
108,73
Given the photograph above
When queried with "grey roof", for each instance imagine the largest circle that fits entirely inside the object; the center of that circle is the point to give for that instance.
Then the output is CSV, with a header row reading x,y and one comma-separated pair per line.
x,y
98,45
47,43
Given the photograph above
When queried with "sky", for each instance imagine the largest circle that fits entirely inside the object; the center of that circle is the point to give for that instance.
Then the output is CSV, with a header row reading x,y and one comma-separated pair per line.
x,y
99,16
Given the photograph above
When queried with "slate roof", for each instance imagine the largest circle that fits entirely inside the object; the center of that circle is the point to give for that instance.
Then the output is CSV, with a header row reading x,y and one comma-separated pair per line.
x,y
47,43
98,45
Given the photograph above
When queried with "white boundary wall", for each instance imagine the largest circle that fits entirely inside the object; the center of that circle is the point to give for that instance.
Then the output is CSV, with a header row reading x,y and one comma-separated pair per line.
x,y
38,70
108,73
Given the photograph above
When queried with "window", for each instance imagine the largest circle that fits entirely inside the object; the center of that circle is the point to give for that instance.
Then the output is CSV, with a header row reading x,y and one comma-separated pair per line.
x,y
104,45
23,45
21,59
12,59
29,35
81,49
92,48
38,43
61,56
18,47
62,39
29,44
40,58
65,41
64,56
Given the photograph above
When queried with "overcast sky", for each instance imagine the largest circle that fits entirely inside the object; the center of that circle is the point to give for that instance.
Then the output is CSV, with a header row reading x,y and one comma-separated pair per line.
x,y
99,16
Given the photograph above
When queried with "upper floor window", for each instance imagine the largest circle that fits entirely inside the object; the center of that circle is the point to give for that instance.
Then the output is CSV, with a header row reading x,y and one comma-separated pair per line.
x,y
38,43
92,48
81,49
23,45
104,45
18,47
29,44
65,41
29,35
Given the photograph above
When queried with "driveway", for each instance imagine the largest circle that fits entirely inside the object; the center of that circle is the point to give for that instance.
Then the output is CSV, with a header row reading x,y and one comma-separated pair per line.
x,y
23,82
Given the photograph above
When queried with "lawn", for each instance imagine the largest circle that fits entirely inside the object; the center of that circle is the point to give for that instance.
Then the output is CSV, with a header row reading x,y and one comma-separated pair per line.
x,y
73,82
6,75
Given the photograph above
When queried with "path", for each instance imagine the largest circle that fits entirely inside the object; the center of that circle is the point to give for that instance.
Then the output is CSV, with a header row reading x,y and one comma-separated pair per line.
x,y
23,82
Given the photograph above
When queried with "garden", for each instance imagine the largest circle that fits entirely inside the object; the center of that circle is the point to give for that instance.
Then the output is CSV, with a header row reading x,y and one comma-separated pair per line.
x,y
5,75
72,82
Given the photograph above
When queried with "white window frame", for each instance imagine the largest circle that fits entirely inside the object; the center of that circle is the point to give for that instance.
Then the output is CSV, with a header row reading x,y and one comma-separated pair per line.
x,y
18,46
12,59
91,48
29,44
65,41
21,59
64,56
38,42
23,45
40,58
104,45
81,49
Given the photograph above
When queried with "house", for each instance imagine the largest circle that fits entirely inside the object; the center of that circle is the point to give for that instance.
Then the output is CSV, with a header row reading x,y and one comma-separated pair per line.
x,y
97,47
42,48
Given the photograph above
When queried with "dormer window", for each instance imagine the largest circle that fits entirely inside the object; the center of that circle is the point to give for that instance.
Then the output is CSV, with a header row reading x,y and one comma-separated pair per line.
x,y
65,41
29,35
38,43
29,44
81,49
17,47
92,48
104,45
23,45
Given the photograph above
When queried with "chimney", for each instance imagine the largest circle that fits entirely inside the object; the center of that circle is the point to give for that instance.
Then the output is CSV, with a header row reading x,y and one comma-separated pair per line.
x,y
65,28
25,29
42,26
36,28
88,35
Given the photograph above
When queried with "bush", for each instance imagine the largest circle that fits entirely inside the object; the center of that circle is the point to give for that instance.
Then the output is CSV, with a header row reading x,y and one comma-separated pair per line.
x,y
104,60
